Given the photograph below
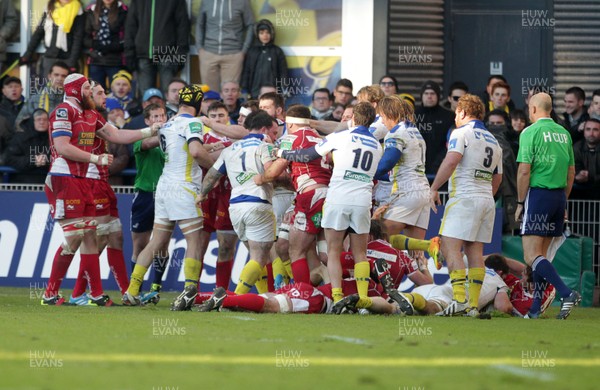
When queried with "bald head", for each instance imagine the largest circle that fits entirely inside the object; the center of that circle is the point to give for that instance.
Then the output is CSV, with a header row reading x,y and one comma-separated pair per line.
x,y
540,106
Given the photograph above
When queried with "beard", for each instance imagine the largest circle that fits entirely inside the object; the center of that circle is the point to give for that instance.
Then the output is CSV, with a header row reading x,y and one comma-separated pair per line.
x,y
88,103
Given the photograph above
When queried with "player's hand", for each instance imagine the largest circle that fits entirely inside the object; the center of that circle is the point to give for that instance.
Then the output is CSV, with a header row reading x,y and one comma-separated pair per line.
x,y
519,212
205,121
156,127
378,214
435,200
258,180
199,199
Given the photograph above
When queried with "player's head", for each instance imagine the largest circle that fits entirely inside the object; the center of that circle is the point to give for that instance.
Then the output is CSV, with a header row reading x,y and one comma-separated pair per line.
x,y
191,96
246,109
99,96
394,109
260,122
371,94
297,117
217,111
363,114
78,88
469,107
497,263
377,231
272,103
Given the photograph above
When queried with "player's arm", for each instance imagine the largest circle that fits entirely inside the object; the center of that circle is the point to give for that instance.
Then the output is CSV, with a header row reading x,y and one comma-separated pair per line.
x,y
496,181
212,177
448,166
199,153
570,179
231,131
421,277
150,143
390,158
63,147
110,133
272,171
328,127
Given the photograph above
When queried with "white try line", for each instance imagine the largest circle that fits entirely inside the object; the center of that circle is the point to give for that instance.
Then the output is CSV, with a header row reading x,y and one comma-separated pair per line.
x,y
314,361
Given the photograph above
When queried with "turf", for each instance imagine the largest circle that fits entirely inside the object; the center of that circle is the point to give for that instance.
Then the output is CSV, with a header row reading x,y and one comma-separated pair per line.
x,y
153,348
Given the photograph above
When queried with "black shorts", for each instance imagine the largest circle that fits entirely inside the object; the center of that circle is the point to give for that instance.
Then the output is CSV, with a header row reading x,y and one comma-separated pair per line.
x,y
544,212
142,212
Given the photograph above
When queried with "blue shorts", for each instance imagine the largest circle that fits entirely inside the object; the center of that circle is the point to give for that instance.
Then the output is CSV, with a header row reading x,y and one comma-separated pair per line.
x,y
544,213
142,212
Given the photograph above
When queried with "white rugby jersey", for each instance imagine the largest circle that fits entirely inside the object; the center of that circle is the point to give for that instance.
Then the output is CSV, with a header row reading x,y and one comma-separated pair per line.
x,y
356,154
174,136
482,158
378,129
241,162
408,174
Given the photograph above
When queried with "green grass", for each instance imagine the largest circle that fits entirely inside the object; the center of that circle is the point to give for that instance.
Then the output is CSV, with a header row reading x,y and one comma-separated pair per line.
x,y
153,348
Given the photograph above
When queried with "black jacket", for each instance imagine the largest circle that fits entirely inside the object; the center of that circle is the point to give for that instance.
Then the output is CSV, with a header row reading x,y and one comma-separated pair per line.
x,y
21,152
168,42
434,124
9,110
105,55
74,42
576,134
266,65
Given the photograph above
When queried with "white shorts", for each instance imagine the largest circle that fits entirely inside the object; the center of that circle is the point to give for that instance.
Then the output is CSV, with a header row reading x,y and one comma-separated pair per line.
x,y
282,200
469,219
382,192
341,217
440,294
492,285
411,208
253,221
176,201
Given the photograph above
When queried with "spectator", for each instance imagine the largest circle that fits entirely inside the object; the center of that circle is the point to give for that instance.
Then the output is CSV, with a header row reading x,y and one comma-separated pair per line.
x,y
104,39
594,110
9,20
209,98
61,28
389,85
12,100
456,90
343,92
518,122
230,92
321,104
29,150
499,98
337,113
157,37
45,96
120,89
485,95
116,113
224,35
575,113
496,118
265,62
172,103
433,121
587,161
410,99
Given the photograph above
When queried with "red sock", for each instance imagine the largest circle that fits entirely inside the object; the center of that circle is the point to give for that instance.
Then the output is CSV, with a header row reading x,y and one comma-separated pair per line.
x,y
60,266
80,283
251,302
270,279
301,271
116,261
201,298
347,262
224,273
91,269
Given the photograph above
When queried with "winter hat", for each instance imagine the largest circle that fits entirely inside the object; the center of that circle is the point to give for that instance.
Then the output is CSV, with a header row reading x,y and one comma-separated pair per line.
x,y
429,84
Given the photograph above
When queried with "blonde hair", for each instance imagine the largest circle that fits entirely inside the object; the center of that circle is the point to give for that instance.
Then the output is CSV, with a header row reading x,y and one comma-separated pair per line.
x,y
396,108
472,106
370,93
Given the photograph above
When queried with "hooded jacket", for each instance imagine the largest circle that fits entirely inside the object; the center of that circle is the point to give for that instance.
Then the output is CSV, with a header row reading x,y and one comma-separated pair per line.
x,y
22,148
225,26
157,29
265,64
105,55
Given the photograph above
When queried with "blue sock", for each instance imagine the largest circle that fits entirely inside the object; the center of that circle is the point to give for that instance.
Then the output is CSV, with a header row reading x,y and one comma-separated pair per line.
x,y
540,286
160,265
545,270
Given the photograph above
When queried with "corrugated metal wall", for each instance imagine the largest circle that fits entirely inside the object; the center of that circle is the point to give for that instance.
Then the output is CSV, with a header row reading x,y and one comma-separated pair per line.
x,y
576,47
416,43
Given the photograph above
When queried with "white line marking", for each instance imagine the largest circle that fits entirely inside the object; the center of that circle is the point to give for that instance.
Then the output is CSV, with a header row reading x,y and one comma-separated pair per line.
x,y
543,376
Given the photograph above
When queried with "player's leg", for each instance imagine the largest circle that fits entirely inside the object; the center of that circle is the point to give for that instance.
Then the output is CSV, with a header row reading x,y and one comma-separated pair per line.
x,y
335,240
502,302
116,260
227,243
362,268
452,248
474,253
300,243
192,264
259,257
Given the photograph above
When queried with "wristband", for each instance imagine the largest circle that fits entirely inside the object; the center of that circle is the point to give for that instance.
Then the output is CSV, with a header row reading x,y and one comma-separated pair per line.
x,y
521,203
279,153
146,132
94,159
103,159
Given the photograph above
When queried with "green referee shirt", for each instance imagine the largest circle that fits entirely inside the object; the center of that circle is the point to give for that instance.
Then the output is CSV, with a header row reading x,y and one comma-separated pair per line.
x,y
547,146
149,165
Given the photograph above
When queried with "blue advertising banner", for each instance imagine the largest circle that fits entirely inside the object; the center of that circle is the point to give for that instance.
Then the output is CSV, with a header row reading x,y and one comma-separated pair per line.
x,y
29,239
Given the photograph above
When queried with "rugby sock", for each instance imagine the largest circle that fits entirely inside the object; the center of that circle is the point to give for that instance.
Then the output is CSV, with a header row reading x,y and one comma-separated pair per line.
x,y
540,286
91,268
458,278
417,300
287,264
476,276
159,265
547,271
337,294
116,262
251,302
191,271
301,271
80,283
362,272
224,273
60,266
248,277
261,284
279,272
137,278
270,280
402,242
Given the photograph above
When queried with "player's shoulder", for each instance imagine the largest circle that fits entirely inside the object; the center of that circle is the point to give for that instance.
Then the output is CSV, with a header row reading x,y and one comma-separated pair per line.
x,y
64,111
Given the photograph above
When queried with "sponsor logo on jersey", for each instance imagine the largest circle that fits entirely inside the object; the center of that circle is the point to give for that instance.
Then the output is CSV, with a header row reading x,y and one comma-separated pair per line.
x,y
86,138
286,144
65,125
349,175
374,254
244,177
62,113
195,127
483,175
